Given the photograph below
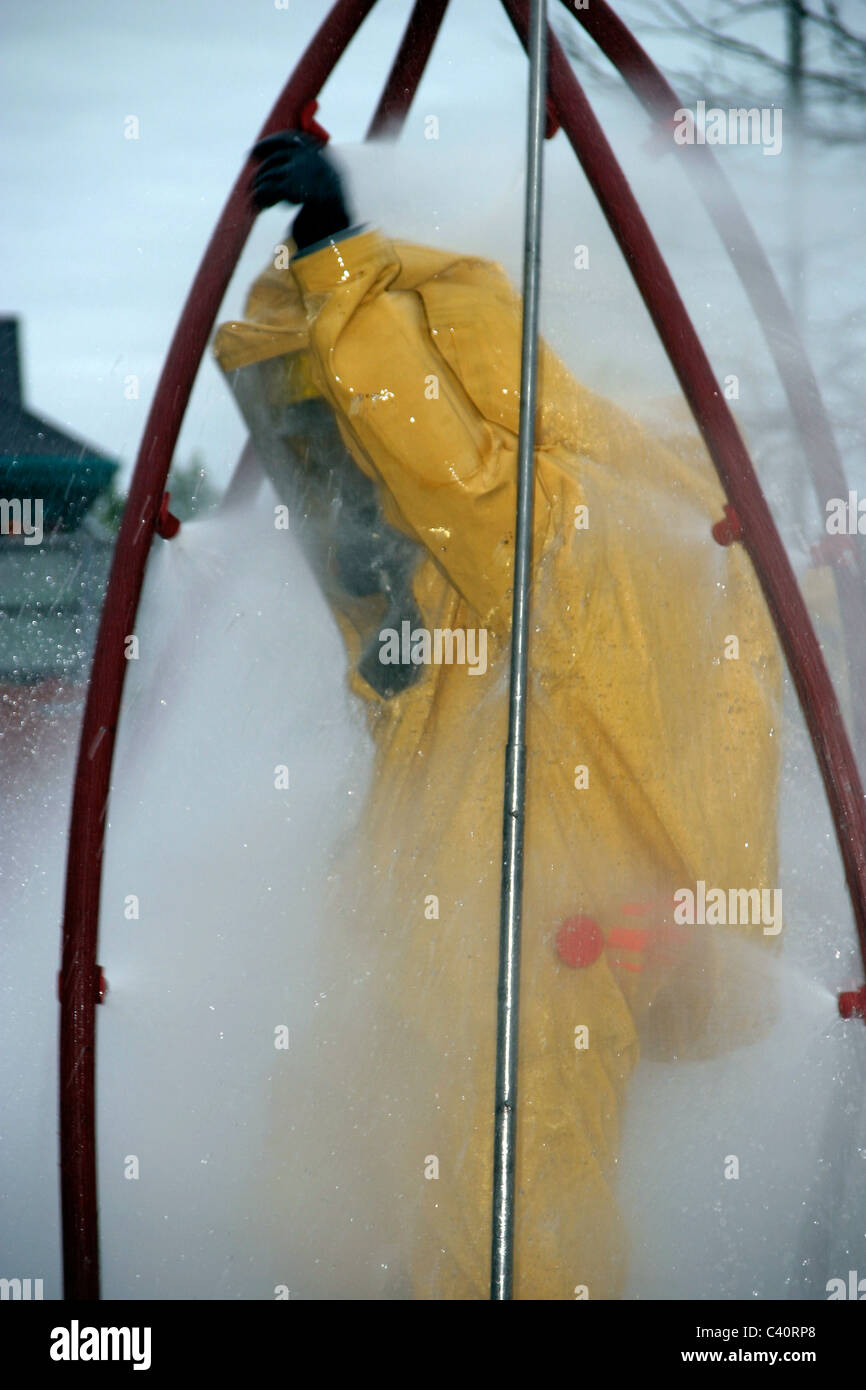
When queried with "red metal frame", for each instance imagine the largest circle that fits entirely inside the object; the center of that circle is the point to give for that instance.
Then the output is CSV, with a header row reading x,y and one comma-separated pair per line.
x,y
728,452
408,69
770,307
145,505
93,771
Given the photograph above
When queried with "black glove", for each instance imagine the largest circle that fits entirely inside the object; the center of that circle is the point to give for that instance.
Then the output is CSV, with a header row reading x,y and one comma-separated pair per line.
x,y
295,169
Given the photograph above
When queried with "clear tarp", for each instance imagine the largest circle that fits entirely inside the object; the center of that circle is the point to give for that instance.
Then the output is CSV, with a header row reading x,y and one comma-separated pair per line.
x,y
301,891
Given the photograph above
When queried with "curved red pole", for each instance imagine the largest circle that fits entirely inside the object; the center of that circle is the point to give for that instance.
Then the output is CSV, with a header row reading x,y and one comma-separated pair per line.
x,y
408,68
733,465
78,988
79,972
391,111
770,307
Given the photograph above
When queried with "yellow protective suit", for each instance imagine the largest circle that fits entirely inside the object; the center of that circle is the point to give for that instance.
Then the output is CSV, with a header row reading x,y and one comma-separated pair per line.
x,y
652,745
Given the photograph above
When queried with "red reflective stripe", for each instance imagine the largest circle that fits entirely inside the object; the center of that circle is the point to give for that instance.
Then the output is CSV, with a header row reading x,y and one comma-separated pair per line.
x,y
631,938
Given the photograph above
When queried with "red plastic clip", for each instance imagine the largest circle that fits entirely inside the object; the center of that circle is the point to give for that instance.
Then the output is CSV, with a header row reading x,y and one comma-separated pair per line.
x,y
309,124
101,985
167,525
729,529
852,1003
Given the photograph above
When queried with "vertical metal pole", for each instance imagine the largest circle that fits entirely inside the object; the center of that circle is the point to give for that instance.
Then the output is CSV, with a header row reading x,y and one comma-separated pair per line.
x,y
505,1133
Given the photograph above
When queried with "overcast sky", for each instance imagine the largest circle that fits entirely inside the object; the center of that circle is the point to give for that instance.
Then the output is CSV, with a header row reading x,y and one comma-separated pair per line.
x,y
101,234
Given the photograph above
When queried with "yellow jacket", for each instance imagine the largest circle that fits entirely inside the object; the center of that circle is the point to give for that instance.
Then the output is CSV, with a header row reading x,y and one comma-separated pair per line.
x,y
653,751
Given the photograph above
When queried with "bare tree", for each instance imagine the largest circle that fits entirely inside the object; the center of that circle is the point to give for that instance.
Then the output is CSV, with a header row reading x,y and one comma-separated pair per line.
x,y
821,76
807,57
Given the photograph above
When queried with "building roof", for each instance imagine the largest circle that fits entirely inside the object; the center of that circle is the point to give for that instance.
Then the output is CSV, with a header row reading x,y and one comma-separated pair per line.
x,y
37,458
22,432
51,589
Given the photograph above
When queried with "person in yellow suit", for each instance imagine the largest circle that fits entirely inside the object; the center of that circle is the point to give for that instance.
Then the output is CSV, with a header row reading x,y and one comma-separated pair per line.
x,y
381,382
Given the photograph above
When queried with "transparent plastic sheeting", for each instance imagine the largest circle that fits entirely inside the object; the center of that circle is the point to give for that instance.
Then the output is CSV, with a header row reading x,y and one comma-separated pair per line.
x,y
301,889
356,908
678,1017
